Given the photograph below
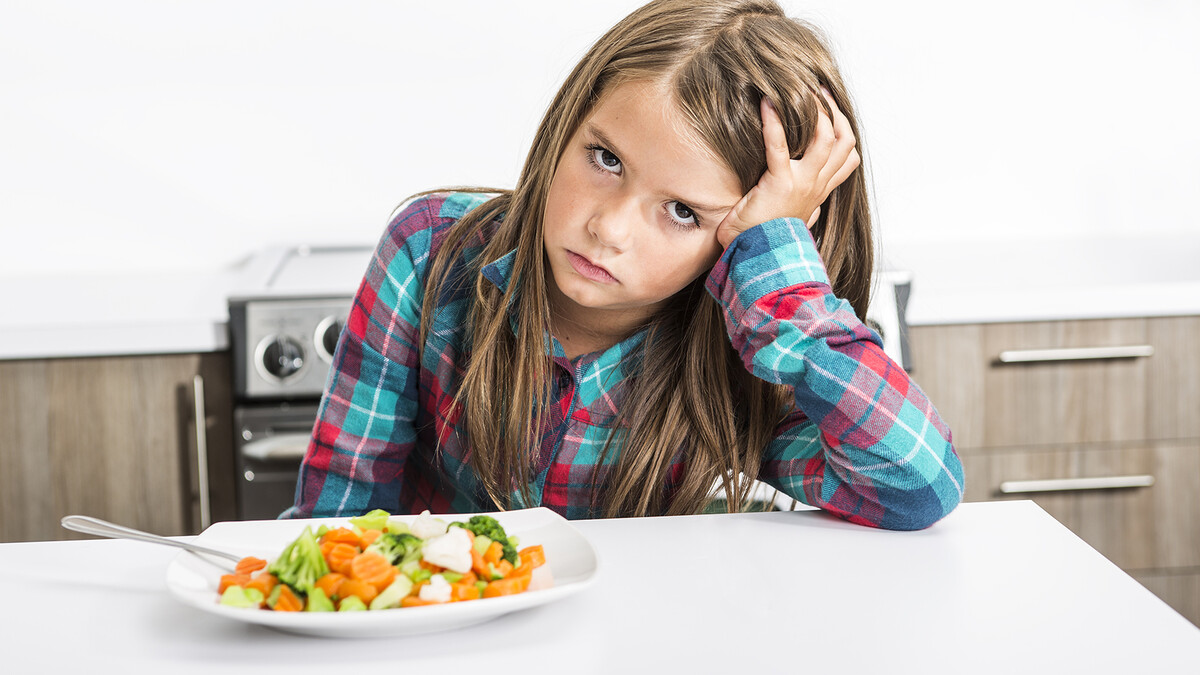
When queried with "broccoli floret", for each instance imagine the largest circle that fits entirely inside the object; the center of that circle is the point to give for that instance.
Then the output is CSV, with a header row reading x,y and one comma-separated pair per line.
x,y
490,528
301,563
397,547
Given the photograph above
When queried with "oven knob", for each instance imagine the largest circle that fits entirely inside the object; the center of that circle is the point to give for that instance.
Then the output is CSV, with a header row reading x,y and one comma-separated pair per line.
x,y
283,357
326,339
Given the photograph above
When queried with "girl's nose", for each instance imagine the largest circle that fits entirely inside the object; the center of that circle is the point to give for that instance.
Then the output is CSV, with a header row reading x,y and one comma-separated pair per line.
x,y
612,222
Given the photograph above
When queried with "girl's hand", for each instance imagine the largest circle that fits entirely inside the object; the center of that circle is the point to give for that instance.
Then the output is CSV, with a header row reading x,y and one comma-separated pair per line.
x,y
795,187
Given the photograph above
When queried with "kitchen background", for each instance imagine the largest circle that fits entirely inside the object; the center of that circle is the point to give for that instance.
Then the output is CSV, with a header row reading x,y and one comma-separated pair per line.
x,y
165,167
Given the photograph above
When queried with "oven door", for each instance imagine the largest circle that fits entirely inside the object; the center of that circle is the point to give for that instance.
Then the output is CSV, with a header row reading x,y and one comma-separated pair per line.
x,y
269,445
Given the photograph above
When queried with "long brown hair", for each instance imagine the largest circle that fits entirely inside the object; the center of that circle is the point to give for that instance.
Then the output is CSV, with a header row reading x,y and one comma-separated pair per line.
x,y
690,398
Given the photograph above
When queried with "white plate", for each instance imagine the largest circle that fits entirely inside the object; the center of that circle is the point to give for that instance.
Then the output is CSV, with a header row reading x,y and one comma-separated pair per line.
x,y
193,579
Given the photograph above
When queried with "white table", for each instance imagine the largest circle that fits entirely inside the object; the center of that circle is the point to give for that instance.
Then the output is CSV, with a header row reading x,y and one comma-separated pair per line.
x,y
994,588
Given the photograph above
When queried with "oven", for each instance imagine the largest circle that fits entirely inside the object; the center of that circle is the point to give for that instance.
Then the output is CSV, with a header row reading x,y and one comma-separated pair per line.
x,y
282,337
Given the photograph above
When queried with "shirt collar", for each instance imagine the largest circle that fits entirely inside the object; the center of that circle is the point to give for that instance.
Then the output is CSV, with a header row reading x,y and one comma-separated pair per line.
x,y
499,271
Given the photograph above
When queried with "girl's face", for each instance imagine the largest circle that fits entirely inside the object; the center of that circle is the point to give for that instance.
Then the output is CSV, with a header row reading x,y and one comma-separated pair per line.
x,y
633,209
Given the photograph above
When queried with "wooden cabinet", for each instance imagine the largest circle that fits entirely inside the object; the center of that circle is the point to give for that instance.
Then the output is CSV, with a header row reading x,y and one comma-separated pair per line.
x,y
114,438
1109,445
993,404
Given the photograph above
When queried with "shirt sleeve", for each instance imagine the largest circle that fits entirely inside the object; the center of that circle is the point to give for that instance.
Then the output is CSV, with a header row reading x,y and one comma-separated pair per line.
x,y
863,441
365,430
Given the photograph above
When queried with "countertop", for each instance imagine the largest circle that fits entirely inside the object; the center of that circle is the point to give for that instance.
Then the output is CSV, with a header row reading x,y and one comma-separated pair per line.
x,y
996,587
953,281
161,312
999,279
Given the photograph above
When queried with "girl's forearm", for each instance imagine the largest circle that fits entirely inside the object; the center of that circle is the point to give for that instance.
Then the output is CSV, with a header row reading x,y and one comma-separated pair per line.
x,y
863,440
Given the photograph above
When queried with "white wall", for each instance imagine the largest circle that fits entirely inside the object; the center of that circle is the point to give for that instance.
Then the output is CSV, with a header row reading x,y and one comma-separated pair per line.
x,y
144,135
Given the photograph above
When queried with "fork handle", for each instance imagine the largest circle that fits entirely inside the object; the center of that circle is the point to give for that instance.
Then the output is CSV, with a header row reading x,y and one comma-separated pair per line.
x,y
103,528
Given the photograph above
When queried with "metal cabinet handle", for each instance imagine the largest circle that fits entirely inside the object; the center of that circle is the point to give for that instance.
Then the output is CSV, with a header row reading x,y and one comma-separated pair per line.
x,y
202,451
1074,354
1016,487
283,447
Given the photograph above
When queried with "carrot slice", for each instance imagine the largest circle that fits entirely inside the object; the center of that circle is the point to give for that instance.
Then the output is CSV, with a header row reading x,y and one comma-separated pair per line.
x,y
365,592
431,567
250,564
342,535
534,554
369,536
493,553
340,556
509,586
228,580
503,568
331,583
526,569
263,581
460,592
287,600
373,569
478,564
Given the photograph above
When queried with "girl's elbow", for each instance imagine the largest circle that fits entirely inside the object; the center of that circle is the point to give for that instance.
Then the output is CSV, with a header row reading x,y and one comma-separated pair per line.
x,y
920,509
923,502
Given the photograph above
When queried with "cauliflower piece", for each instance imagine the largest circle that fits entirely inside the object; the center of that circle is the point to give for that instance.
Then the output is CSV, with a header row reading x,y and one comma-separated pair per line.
x,y
437,590
451,550
426,526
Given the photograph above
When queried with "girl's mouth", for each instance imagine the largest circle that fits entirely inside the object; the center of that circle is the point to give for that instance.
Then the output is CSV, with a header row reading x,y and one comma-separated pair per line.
x,y
589,270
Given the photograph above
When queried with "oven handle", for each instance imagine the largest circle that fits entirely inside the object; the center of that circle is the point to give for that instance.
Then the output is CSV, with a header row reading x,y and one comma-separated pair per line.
x,y
201,450
278,448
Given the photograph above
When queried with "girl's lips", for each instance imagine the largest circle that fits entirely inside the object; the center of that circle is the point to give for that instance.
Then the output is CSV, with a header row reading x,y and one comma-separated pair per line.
x,y
589,270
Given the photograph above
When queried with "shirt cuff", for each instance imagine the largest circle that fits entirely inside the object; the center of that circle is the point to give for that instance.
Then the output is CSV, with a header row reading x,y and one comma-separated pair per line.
x,y
765,259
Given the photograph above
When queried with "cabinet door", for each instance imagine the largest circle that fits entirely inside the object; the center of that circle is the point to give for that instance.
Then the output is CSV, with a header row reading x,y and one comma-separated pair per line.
x,y
948,364
112,438
991,403
1180,590
1174,396
1135,527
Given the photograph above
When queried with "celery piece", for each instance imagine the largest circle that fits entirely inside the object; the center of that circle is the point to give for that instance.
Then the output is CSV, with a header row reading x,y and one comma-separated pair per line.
x,y
318,601
352,603
393,594
409,568
374,520
482,542
274,596
236,596
493,572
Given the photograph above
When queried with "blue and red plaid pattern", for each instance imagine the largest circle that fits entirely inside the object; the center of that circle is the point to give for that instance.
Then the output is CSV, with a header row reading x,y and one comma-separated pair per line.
x,y
863,441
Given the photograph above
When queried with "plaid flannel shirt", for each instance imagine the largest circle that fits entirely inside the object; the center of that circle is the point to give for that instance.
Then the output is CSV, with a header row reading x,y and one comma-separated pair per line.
x,y
862,442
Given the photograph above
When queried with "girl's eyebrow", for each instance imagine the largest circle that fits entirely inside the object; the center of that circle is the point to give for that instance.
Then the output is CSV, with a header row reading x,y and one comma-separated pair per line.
x,y
608,144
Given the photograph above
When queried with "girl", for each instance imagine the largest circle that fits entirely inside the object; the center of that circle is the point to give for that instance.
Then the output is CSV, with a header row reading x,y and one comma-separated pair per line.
x,y
671,298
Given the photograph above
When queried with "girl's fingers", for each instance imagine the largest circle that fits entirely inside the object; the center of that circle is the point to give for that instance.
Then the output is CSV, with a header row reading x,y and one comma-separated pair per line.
x,y
848,166
775,139
843,157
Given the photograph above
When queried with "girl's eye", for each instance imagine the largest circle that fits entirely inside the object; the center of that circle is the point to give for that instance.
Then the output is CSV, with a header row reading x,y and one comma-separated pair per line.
x,y
603,159
682,216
